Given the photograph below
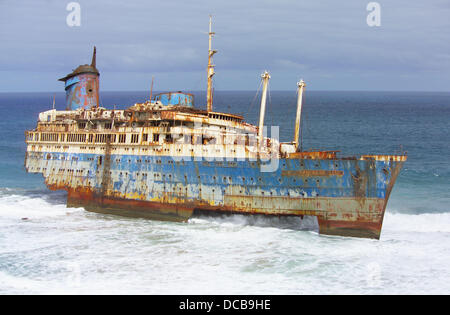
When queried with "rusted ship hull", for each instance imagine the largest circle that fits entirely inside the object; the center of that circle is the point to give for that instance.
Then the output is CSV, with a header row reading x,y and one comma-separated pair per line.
x,y
348,196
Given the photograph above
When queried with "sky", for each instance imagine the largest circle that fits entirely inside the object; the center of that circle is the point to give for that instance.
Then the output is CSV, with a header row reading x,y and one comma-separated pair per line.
x,y
327,43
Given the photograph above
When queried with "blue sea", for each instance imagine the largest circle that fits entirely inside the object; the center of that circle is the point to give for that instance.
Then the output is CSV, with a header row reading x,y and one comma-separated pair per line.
x,y
72,251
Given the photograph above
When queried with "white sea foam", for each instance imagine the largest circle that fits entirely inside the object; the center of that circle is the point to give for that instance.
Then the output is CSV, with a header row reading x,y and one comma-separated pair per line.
x,y
294,223
21,206
86,253
426,222
17,285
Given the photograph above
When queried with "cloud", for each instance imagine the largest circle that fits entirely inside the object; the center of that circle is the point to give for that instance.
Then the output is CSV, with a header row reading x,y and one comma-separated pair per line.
x,y
320,41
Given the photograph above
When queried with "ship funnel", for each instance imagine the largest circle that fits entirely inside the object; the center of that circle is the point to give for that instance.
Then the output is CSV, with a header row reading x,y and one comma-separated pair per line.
x,y
82,86
265,78
300,87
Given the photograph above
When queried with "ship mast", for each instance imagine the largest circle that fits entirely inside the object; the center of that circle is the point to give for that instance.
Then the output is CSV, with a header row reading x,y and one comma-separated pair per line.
x,y
265,77
151,89
300,87
210,70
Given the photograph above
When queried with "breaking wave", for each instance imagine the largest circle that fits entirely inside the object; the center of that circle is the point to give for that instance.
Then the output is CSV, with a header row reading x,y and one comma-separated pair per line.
x,y
282,222
426,222
38,204
32,205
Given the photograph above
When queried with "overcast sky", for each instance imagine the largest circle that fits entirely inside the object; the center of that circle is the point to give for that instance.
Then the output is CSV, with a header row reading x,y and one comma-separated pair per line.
x,y
327,43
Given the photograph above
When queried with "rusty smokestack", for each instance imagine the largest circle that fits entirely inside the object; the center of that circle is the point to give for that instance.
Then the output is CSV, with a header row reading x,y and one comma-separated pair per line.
x,y
82,86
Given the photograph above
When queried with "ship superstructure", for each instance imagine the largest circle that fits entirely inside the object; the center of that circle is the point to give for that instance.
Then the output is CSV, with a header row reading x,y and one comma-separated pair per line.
x,y
166,159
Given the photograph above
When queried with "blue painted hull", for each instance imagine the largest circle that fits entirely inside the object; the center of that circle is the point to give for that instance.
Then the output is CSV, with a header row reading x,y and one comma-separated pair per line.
x,y
351,189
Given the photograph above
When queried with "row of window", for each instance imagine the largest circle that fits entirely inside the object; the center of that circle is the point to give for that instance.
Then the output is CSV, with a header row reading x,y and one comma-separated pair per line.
x,y
314,194
224,117
103,138
82,137
111,138
158,177
82,125
48,156
48,137
74,137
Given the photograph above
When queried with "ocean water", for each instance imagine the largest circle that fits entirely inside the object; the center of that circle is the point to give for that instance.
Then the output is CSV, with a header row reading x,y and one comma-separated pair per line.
x,y
63,251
